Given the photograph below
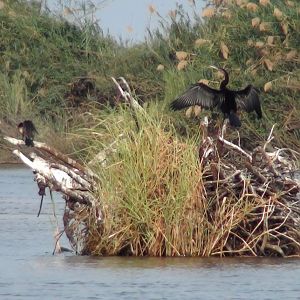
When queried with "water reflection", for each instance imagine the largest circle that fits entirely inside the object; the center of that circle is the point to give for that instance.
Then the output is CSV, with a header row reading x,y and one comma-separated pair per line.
x,y
70,261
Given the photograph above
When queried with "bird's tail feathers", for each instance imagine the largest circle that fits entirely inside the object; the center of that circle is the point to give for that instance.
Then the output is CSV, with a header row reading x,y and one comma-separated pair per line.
x,y
259,112
29,142
234,120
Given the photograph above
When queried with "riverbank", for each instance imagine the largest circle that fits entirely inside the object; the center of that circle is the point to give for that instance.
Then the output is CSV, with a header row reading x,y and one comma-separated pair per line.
x,y
239,37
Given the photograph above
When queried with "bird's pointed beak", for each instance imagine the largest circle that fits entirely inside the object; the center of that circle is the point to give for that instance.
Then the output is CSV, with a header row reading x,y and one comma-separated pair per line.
x,y
214,67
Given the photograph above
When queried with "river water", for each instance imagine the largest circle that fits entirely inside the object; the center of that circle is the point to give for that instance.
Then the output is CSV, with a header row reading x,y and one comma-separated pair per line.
x,y
28,270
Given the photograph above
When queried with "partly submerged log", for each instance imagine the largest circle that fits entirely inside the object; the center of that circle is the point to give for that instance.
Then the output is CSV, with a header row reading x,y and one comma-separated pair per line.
x,y
60,173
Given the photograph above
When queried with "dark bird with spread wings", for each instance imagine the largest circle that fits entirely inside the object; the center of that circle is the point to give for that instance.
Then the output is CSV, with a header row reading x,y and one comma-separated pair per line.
x,y
27,130
228,101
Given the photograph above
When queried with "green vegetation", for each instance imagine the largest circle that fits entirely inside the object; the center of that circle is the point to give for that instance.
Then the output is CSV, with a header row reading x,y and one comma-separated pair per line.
x,y
150,187
42,56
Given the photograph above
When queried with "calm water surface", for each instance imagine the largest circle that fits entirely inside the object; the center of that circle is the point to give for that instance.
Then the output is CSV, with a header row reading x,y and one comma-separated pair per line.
x,y
28,270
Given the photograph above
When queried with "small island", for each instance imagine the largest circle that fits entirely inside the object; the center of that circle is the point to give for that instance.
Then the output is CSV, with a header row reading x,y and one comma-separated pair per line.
x,y
137,178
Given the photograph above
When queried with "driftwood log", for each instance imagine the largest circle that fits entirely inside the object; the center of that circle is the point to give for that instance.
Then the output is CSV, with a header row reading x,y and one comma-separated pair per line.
x,y
58,172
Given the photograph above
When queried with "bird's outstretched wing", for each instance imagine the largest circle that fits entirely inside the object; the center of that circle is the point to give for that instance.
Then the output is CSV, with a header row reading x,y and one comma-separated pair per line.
x,y
198,94
248,100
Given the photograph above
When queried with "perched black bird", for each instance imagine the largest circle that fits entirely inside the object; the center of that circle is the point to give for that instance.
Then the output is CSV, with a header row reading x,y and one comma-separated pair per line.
x,y
27,129
226,100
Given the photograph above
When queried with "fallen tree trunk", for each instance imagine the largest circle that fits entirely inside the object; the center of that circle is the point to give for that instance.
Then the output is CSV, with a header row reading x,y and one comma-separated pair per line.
x,y
58,172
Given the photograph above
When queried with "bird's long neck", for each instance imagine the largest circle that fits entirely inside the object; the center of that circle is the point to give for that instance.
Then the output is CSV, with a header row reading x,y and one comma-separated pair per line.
x,y
226,79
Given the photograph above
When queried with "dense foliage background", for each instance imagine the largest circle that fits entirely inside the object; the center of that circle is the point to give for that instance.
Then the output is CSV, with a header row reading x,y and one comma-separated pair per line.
x,y
46,62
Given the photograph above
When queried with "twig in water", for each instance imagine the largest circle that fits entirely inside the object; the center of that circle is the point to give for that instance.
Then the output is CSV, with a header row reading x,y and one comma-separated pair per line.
x,y
57,238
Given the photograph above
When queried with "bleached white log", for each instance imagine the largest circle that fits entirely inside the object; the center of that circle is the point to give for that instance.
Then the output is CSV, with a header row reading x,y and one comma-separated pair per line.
x,y
235,147
14,141
85,172
127,94
18,142
41,166
56,179
84,183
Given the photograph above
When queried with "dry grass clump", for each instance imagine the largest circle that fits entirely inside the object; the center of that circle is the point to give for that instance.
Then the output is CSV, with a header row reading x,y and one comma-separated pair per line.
x,y
161,196
139,184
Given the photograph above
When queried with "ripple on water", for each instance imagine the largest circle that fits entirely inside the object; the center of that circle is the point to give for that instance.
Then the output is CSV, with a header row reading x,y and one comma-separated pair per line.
x,y
29,271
